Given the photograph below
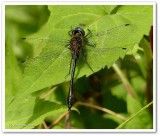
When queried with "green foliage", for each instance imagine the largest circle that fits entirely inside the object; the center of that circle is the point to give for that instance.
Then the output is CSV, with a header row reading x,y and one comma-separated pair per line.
x,y
49,63
31,112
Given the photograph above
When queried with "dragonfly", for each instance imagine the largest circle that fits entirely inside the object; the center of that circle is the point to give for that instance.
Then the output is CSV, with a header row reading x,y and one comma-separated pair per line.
x,y
78,39
78,46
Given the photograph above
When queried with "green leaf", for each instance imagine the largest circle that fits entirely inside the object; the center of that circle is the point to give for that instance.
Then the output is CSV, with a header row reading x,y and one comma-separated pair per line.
x,y
25,19
30,112
52,64
13,73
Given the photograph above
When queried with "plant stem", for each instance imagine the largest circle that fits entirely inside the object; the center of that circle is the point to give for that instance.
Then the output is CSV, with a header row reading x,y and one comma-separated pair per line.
x,y
44,125
58,120
102,109
68,125
48,93
126,83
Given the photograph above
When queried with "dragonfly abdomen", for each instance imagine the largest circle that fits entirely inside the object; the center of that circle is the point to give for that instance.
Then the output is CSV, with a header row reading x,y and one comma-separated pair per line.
x,y
70,98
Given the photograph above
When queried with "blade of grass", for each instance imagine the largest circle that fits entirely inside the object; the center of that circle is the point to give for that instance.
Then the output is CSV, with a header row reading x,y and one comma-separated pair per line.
x,y
145,107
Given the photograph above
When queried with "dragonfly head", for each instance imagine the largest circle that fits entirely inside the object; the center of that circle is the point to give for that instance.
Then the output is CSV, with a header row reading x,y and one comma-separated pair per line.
x,y
78,30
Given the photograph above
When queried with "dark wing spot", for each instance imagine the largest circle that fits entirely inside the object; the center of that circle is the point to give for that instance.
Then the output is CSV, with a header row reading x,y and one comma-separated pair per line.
x,y
124,48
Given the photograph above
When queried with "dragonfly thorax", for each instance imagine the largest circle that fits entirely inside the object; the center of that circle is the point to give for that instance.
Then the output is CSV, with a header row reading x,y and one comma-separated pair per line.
x,y
78,30
75,46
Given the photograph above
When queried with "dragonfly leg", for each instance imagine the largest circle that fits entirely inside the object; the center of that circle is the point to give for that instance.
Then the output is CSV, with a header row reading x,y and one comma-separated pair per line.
x,y
70,33
69,69
92,44
84,57
67,44
88,34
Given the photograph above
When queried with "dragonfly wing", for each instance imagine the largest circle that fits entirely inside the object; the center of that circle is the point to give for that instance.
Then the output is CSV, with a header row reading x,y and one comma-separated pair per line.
x,y
55,38
104,56
51,45
113,37
44,41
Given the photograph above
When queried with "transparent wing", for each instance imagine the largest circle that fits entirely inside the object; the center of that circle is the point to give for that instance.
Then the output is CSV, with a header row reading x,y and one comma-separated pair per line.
x,y
114,37
62,58
52,44
108,42
44,41
94,55
123,29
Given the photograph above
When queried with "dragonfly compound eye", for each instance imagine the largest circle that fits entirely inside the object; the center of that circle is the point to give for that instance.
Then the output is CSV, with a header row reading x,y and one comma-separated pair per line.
x,y
77,30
